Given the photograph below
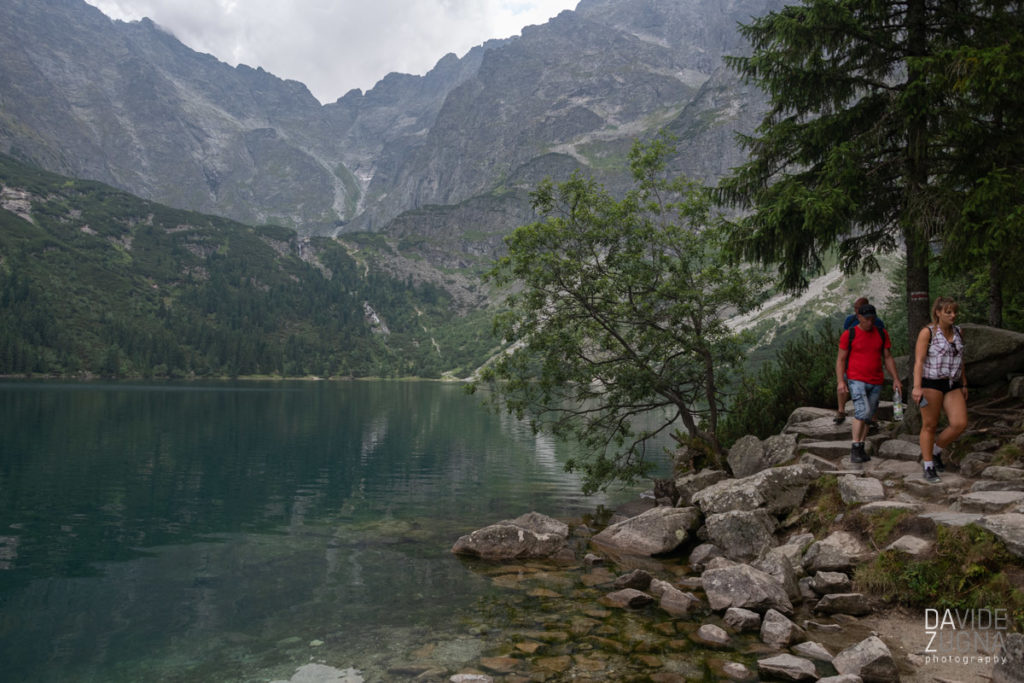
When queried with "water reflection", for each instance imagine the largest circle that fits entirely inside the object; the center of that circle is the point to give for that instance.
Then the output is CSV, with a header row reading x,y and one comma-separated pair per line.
x,y
180,531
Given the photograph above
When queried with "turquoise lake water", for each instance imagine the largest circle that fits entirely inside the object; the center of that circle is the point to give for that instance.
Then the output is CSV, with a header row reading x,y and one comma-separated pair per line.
x,y
236,531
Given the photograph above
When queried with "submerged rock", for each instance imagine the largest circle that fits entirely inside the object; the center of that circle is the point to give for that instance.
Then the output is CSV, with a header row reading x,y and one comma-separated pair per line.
x,y
532,535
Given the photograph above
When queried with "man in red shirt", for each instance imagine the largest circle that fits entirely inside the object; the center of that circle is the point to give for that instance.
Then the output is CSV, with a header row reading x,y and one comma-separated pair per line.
x,y
859,373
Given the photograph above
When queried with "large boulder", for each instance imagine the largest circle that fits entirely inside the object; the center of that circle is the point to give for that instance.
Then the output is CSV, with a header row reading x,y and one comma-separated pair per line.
x,y
532,535
854,490
992,353
690,484
778,490
1009,527
778,631
658,530
870,659
742,534
743,586
746,457
780,449
840,551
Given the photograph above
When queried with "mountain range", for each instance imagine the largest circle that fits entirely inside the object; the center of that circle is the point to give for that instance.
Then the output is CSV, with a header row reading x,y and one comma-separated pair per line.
x,y
441,164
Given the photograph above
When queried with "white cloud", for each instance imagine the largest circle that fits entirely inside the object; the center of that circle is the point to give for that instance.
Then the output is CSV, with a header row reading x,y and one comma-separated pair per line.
x,y
335,45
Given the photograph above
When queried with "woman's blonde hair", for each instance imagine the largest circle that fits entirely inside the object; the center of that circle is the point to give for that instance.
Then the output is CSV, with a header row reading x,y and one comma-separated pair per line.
x,y
941,304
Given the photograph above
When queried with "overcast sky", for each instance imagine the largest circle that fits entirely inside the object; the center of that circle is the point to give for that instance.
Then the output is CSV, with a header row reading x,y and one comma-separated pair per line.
x,y
335,45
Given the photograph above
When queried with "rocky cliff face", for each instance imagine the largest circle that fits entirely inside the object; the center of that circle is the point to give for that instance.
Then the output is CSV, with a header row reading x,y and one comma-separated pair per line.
x,y
444,161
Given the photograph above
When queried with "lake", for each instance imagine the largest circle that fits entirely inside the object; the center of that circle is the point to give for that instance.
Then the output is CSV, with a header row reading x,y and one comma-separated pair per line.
x,y
236,531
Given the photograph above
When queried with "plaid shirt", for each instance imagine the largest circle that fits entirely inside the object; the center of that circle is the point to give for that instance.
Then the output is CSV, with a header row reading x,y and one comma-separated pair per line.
x,y
945,359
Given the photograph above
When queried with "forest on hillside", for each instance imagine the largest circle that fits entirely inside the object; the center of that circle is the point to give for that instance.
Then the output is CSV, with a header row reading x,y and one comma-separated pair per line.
x,y
94,281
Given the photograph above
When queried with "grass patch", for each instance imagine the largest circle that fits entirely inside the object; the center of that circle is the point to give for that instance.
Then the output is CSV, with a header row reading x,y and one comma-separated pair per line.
x,y
824,504
969,569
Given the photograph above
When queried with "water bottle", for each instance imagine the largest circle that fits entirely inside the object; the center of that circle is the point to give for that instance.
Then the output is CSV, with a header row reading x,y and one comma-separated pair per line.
x,y
897,406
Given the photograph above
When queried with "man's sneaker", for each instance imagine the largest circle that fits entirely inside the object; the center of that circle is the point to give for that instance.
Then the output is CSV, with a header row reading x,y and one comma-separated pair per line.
x,y
858,454
839,418
937,459
930,475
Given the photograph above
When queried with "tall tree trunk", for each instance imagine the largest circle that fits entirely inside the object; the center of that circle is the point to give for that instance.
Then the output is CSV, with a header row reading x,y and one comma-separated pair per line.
x,y
915,230
995,293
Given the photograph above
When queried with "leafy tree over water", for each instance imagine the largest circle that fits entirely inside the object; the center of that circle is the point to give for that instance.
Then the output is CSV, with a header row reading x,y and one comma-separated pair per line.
x,y
883,117
617,322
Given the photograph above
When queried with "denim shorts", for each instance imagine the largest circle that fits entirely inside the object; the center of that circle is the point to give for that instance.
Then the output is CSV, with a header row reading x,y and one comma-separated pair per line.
x,y
865,398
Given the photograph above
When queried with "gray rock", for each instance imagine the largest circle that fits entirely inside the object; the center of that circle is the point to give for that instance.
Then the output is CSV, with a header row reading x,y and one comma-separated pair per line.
x,y
788,667
778,631
658,530
840,551
870,659
812,650
793,553
1003,473
711,635
627,598
975,463
817,462
806,590
737,672
746,587
855,604
842,678
889,505
780,449
702,554
746,457
1009,528
720,562
911,545
778,490
638,578
741,620
781,570
860,489
807,414
830,582
989,501
995,485
946,518
831,450
819,429
742,534
679,603
532,535
692,483
992,353
897,449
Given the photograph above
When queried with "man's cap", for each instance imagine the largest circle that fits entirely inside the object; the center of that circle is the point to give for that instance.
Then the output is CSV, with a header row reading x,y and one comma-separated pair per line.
x,y
866,310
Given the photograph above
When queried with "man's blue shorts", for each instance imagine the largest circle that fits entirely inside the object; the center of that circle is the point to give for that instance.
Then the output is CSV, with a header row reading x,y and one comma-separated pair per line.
x,y
865,398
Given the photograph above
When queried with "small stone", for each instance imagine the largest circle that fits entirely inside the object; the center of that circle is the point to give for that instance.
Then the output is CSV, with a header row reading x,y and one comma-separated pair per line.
x,y
711,636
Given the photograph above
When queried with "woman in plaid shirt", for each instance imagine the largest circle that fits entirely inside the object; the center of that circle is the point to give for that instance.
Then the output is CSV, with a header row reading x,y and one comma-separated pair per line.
x,y
940,383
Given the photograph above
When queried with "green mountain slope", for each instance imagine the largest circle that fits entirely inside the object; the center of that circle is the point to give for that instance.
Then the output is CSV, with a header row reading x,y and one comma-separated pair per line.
x,y
97,281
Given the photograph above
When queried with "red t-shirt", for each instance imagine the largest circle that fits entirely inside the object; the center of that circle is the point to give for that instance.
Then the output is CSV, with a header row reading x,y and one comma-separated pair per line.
x,y
865,362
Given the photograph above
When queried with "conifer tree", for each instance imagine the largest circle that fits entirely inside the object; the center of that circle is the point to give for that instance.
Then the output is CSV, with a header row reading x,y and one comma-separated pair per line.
x,y
855,153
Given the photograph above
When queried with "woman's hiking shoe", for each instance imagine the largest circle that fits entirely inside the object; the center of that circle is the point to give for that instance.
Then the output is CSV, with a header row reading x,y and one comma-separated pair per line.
x,y
937,459
858,454
839,419
930,475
